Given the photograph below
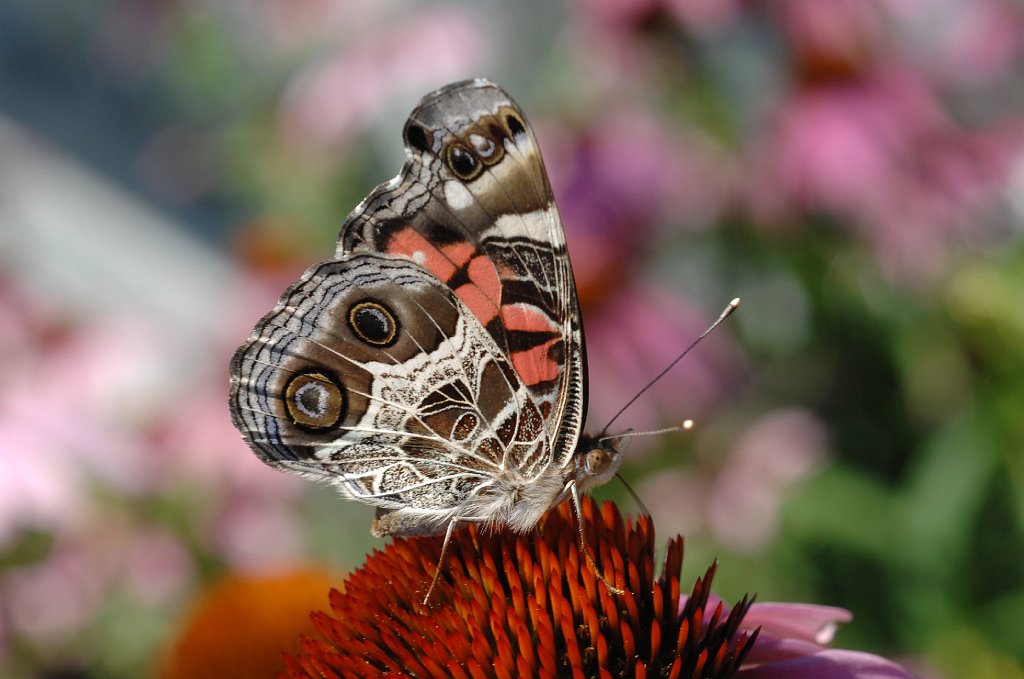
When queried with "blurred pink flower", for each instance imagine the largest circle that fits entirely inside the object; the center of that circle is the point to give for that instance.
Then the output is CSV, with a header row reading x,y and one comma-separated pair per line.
x,y
294,25
700,16
637,331
99,556
157,566
830,39
73,398
964,44
196,443
676,497
616,14
836,146
774,453
84,395
703,17
89,429
50,601
627,172
866,136
250,518
737,500
619,182
881,152
38,492
249,533
336,98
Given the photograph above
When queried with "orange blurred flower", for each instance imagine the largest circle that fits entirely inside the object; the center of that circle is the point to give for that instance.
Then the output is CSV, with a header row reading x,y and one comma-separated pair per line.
x,y
244,624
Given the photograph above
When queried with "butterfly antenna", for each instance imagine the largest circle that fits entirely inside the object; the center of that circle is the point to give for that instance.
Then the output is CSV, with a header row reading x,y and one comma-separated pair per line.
x,y
729,308
686,425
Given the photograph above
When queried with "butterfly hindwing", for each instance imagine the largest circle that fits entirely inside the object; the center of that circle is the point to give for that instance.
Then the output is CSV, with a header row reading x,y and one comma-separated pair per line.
x,y
372,374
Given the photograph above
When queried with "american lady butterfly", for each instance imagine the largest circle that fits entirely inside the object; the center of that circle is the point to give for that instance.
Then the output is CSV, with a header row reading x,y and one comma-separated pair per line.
x,y
436,367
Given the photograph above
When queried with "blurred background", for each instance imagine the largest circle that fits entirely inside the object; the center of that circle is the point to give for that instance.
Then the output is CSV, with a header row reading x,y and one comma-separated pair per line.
x,y
853,169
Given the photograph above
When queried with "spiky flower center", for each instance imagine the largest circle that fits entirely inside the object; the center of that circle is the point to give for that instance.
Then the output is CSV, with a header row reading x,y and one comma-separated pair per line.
x,y
512,605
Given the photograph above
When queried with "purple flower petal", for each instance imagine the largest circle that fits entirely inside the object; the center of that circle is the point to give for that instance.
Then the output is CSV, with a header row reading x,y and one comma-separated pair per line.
x,y
790,642
771,650
828,664
806,622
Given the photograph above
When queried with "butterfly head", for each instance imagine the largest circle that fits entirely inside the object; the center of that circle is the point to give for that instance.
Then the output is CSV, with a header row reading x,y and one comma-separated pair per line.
x,y
597,460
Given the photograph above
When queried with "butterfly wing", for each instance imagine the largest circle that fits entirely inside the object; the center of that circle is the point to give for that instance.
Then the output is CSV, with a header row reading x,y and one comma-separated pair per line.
x,y
372,374
473,206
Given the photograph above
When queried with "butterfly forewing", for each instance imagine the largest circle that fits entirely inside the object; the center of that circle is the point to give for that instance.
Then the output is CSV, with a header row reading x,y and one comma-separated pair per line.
x,y
473,206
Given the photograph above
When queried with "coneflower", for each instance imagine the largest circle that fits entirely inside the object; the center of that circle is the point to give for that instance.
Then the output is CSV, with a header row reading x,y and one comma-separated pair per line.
x,y
511,605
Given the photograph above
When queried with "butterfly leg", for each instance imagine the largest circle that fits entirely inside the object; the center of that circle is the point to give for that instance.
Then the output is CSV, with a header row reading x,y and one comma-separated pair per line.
x,y
396,522
636,498
441,559
575,494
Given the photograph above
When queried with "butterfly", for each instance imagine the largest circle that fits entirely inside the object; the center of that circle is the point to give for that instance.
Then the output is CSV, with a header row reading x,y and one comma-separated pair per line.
x,y
435,368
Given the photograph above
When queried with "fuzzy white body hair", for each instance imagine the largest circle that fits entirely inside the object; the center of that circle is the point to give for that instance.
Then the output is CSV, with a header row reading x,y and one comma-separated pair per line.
x,y
513,501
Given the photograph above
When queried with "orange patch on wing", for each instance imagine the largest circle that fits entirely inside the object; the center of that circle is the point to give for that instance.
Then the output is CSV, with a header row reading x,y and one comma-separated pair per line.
x,y
534,365
459,252
480,304
481,271
483,293
411,244
527,317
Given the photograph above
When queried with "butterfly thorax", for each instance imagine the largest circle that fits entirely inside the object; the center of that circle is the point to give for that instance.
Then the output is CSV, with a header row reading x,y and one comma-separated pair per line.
x,y
518,502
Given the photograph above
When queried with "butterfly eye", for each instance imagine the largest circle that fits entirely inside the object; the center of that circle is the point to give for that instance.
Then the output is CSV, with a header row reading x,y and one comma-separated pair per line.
x,y
598,461
463,162
373,323
314,400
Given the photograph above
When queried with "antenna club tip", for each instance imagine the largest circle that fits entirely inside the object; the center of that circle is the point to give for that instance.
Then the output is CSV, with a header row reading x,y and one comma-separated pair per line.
x,y
687,425
727,311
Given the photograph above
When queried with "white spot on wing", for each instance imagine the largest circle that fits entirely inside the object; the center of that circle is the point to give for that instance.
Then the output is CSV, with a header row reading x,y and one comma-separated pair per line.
x,y
457,195
321,400
484,146
536,225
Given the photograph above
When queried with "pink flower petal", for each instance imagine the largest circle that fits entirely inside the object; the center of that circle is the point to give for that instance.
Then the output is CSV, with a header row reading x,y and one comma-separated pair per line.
x,y
768,649
829,664
806,622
